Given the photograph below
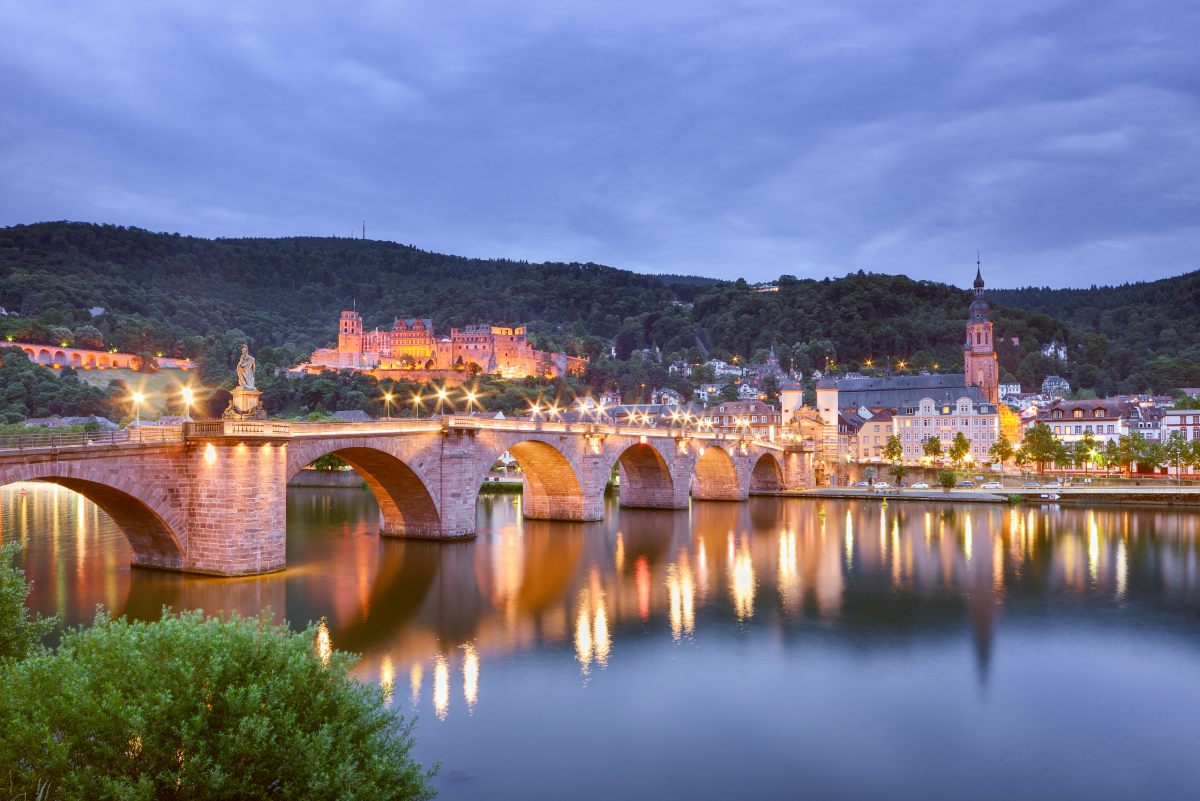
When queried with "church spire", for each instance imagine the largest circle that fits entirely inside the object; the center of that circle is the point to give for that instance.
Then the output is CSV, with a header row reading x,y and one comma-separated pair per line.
x,y
978,275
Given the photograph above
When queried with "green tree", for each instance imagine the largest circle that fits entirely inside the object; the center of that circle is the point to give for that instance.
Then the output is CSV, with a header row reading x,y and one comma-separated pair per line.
x,y
20,633
193,708
1001,450
932,447
1130,448
1083,450
1177,451
960,446
893,451
1042,447
729,392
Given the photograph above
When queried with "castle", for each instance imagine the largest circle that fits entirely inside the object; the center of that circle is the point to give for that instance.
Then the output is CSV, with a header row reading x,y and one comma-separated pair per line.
x,y
411,345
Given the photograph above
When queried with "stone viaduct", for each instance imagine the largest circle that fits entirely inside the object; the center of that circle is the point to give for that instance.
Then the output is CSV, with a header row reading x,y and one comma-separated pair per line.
x,y
212,498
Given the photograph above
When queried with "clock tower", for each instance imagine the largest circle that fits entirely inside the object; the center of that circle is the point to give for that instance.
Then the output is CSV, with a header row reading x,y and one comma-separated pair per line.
x,y
979,351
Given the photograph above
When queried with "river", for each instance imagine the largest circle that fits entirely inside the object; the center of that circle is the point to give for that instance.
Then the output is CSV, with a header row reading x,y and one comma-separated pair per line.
x,y
780,648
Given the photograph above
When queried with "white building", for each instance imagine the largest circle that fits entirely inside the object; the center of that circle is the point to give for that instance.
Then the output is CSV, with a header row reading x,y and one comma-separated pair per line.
x,y
978,421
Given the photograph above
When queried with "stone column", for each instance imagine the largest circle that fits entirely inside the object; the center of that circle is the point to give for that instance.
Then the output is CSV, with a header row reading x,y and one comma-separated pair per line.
x,y
237,506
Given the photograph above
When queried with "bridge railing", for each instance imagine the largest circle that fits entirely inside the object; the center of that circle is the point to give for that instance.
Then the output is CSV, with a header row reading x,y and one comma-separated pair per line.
x,y
201,429
55,440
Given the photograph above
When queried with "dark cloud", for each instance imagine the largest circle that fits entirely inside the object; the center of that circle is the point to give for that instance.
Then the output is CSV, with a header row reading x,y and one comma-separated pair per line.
x,y
729,139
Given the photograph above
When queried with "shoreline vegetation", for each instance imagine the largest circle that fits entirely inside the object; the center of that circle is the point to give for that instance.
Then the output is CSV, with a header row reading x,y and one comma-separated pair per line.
x,y
191,706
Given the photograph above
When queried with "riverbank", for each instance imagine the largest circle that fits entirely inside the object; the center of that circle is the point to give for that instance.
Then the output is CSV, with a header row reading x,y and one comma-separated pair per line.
x,y
1081,496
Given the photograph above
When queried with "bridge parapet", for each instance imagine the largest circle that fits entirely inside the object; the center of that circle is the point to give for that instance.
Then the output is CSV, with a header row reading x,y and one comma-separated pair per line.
x,y
209,429
54,440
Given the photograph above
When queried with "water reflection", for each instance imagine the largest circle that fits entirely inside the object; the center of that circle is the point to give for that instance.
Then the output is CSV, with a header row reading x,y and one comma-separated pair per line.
x,y
889,572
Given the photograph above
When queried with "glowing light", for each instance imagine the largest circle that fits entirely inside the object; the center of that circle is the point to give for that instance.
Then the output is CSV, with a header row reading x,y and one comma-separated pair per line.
x,y
1093,547
138,398
189,397
210,454
323,643
387,678
415,676
741,583
681,592
470,671
441,687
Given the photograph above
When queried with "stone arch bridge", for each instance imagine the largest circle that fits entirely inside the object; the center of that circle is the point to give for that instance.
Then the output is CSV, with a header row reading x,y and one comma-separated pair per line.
x,y
210,498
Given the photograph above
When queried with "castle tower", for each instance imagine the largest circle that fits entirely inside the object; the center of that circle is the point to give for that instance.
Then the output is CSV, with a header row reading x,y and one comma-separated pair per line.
x,y
350,328
979,351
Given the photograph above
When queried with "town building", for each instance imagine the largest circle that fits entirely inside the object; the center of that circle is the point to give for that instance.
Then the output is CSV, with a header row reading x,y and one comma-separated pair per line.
x,y
756,418
977,420
411,344
1055,386
1185,421
1105,419
873,435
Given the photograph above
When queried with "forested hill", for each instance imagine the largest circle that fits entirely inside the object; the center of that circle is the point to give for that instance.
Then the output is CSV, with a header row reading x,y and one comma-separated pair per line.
x,y
1152,317
202,298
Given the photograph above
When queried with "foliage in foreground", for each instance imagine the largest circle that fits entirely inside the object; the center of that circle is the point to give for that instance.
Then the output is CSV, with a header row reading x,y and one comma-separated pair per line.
x,y
191,708
20,633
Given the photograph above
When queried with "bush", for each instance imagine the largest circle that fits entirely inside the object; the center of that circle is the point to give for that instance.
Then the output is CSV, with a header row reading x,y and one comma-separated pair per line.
x,y
20,633
946,479
191,708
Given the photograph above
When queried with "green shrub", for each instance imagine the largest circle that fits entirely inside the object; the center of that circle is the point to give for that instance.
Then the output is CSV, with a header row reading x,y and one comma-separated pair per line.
x,y
20,632
189,708
946,479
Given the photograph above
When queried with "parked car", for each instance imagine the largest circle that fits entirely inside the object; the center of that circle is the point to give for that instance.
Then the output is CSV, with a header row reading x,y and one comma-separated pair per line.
x,y
860,484
965,484
920,485
882,485
1031,485
1053,485
993,485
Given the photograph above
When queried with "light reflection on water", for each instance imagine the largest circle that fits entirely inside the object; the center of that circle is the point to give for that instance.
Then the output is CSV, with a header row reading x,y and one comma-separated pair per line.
x,y
721,620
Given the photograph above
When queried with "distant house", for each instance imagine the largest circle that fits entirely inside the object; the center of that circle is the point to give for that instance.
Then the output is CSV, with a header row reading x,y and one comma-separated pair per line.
x,y
1056,350
748,391
1055,386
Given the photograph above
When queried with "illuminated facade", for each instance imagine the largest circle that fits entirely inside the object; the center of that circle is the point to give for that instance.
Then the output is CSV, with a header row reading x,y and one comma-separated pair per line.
x,y
411,344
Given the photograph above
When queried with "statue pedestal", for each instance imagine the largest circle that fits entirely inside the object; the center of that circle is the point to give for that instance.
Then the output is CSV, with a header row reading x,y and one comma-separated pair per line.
x,y
244,405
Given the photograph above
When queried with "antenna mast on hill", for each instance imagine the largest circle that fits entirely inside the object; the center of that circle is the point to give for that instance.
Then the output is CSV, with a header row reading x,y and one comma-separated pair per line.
x,y
364,228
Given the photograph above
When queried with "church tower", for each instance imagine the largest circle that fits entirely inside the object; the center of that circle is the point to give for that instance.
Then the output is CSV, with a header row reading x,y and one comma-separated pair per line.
x,y
979,351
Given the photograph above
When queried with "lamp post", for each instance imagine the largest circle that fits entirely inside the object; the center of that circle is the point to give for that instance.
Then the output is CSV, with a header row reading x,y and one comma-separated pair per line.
x,y
189,398
441,398
416,399
137,411
387,404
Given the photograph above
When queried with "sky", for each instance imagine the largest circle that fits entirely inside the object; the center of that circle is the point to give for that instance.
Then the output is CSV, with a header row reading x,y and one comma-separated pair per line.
x,y
719,138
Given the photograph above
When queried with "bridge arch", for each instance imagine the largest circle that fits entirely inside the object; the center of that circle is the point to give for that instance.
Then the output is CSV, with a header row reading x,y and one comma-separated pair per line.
x,y
406,505
553,487
60,357
647,480
76,360
44,356
767,475
715,477
153,526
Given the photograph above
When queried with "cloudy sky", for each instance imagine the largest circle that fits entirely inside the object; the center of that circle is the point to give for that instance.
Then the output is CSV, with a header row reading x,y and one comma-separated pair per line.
x,y
722,138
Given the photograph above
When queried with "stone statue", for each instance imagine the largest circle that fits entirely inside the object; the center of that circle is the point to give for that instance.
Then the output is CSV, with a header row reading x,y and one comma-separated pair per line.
x,y
245,369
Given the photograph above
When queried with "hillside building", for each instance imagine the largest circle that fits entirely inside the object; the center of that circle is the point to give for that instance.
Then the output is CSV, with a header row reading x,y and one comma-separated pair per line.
x,y
411,344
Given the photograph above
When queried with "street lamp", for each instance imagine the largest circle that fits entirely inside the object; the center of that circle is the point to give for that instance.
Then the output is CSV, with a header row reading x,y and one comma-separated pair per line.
x,y
416,399
470,400
441,398
137,399
189,398
387,404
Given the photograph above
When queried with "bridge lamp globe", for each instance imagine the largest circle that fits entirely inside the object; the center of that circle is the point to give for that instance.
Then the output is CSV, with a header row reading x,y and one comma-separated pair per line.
x,y
137,399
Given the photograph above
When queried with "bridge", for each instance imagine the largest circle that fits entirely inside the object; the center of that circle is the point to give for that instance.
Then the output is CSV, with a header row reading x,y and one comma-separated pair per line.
x,y
210,496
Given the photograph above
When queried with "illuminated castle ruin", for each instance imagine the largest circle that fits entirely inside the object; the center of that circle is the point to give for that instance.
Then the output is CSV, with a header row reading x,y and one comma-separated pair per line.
x,y
411,344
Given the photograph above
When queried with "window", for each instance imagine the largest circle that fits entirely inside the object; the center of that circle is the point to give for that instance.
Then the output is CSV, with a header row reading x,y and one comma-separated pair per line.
x,y
1110,430
1099,412
1057,414
1078,413
1078,429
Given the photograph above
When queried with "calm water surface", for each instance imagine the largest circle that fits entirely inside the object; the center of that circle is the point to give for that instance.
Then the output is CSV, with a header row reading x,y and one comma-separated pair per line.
x,y
775,649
